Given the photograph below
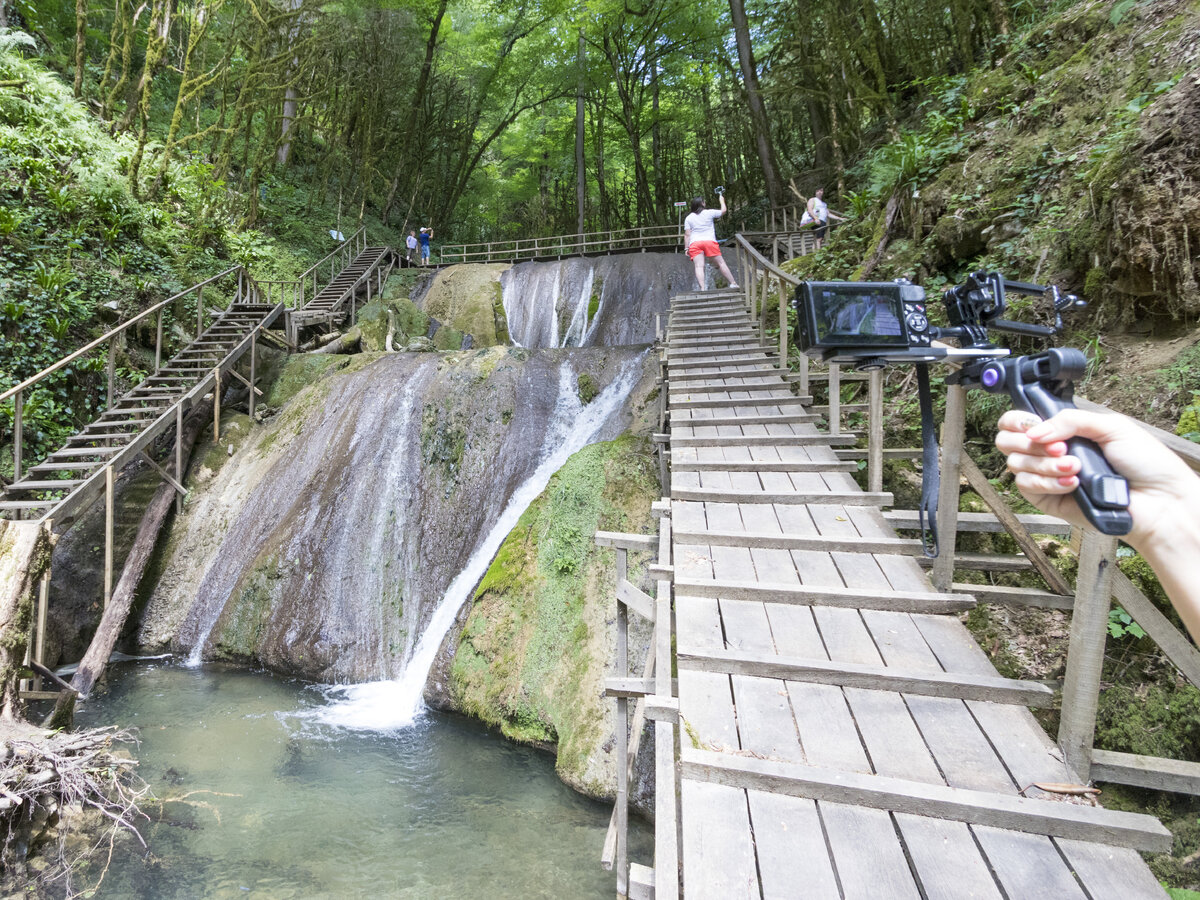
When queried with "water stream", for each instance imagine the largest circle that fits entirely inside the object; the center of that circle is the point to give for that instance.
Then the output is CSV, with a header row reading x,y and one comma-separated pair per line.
x,y
276,804
572,427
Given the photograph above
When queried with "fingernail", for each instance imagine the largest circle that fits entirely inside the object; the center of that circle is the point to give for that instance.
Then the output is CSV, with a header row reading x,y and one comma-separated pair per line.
x,y
1068,480
1065,465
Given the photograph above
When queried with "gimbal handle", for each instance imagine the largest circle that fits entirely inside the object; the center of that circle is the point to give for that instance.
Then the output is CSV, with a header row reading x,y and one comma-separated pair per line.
x,y
1042,384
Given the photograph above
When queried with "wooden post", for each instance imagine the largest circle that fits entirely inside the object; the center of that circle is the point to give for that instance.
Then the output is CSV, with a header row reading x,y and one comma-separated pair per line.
x,y
835,398
1085,652
875,431
112,370
947,515
783,331
217,404
18,433
158,344
179,454
622,737
805,385
253,361
199,311
109,502
39,645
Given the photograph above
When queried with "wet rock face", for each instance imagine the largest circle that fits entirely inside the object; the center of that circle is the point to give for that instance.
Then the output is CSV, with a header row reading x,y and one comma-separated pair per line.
x,y
322,547
589,302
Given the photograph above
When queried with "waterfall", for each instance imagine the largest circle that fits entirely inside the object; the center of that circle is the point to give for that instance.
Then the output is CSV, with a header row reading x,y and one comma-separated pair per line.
x,y
549,304
387,705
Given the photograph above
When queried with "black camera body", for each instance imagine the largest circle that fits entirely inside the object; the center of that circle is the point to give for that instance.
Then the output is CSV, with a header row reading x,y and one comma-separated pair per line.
x,y
869,324
864,323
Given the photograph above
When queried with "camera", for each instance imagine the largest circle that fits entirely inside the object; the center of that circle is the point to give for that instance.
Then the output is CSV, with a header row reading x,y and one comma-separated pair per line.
x,y
871,324
863,323
719,189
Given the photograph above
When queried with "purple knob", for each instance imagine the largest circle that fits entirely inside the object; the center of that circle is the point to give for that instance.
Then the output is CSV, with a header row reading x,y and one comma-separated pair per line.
x,y
990,377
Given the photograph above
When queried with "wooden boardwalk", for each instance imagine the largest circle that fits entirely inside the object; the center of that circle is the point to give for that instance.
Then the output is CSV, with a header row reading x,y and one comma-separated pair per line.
x,y
841,734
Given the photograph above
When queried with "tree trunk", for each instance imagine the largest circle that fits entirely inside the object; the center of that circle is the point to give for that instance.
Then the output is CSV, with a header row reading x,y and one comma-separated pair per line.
x,y
580,172
91,667
760,124
156,50
81,13
25,549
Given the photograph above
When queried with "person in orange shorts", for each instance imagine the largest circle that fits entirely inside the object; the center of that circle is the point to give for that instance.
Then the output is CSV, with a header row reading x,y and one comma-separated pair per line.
x,y
700,239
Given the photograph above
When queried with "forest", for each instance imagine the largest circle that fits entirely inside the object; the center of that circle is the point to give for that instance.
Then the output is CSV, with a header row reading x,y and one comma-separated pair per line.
x,y
148,144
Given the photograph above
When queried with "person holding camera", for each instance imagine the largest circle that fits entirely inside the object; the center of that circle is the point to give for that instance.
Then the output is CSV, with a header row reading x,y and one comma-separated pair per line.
x,y
700,239
1164,494
816,211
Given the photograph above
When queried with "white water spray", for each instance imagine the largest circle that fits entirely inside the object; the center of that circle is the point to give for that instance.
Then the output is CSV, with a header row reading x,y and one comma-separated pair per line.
x,y
390,705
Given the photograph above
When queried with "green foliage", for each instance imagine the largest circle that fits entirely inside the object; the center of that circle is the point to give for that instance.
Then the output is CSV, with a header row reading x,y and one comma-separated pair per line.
x,y
1120,624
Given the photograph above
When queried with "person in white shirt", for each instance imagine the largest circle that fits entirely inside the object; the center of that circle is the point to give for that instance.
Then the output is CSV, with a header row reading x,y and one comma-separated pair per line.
x,y
817,212
411,243
700,240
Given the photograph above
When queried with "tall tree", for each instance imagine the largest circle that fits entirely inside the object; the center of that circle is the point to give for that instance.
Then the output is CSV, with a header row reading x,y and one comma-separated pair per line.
x,y
754,103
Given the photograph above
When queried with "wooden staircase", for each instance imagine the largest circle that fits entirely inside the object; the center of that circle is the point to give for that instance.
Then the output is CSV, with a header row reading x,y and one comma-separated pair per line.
x,y
335,302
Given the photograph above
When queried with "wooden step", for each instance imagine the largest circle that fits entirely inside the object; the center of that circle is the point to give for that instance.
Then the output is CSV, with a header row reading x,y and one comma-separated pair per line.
x,y
972,521
957,686
679,464
84,451
987,562
52,485
1008,811
798,498
20,505
750,419
764,440
732,402
826,543
811,595
64,467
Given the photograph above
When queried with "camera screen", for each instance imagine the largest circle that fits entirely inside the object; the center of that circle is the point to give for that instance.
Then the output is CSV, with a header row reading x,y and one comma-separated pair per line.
x,y
859,316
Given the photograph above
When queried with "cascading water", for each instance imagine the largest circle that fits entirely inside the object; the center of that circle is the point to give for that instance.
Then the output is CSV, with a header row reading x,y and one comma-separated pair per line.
x,y
585,302
386,705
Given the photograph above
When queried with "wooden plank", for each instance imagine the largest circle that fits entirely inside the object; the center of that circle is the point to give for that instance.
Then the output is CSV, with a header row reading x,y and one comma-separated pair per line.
x,y
809,595
626,541
757,465
1027,865
628,687
870,860
975,807
985,562
1110,873
718,848
1053,578
762,440
843,498
728,402
1152,772
791,847
843,674
789,541
948,864
969,521
637,600
1015,596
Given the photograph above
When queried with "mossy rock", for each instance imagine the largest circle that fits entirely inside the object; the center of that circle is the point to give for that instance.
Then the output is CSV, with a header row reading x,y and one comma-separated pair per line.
x,y
531,657
467,299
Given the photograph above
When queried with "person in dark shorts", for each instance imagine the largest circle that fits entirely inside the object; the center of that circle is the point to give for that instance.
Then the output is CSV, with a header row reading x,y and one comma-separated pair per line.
x,y
816,212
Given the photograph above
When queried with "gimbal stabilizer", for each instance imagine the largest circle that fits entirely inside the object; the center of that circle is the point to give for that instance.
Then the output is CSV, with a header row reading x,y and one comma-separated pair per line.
x,y
1042,383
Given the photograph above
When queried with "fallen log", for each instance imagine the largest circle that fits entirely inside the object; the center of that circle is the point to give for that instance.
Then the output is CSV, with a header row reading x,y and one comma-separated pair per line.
x,y
91,667
346,343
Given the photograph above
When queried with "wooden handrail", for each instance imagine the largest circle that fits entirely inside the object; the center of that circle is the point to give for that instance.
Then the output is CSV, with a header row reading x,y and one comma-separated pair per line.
x,y
765,263
560,245
67,360
336,250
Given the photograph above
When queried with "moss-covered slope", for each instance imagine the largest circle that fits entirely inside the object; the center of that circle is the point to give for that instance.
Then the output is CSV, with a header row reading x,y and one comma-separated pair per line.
x,y
538,640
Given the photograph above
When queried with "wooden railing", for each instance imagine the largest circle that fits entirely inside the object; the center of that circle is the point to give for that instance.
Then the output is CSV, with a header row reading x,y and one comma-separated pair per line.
x,y
762,280
295,293
655,699
243,284
623,241
1098,584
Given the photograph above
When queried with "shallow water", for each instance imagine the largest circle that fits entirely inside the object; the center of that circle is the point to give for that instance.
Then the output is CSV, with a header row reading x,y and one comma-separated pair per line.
x,y
280,805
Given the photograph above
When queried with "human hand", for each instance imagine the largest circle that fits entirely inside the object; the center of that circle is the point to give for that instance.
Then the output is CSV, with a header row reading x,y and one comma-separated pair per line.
x,y
1161,486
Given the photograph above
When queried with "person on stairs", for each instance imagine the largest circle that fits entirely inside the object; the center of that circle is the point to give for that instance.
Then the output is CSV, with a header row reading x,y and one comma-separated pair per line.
x,y
700,240
411,243
426,237
816,211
